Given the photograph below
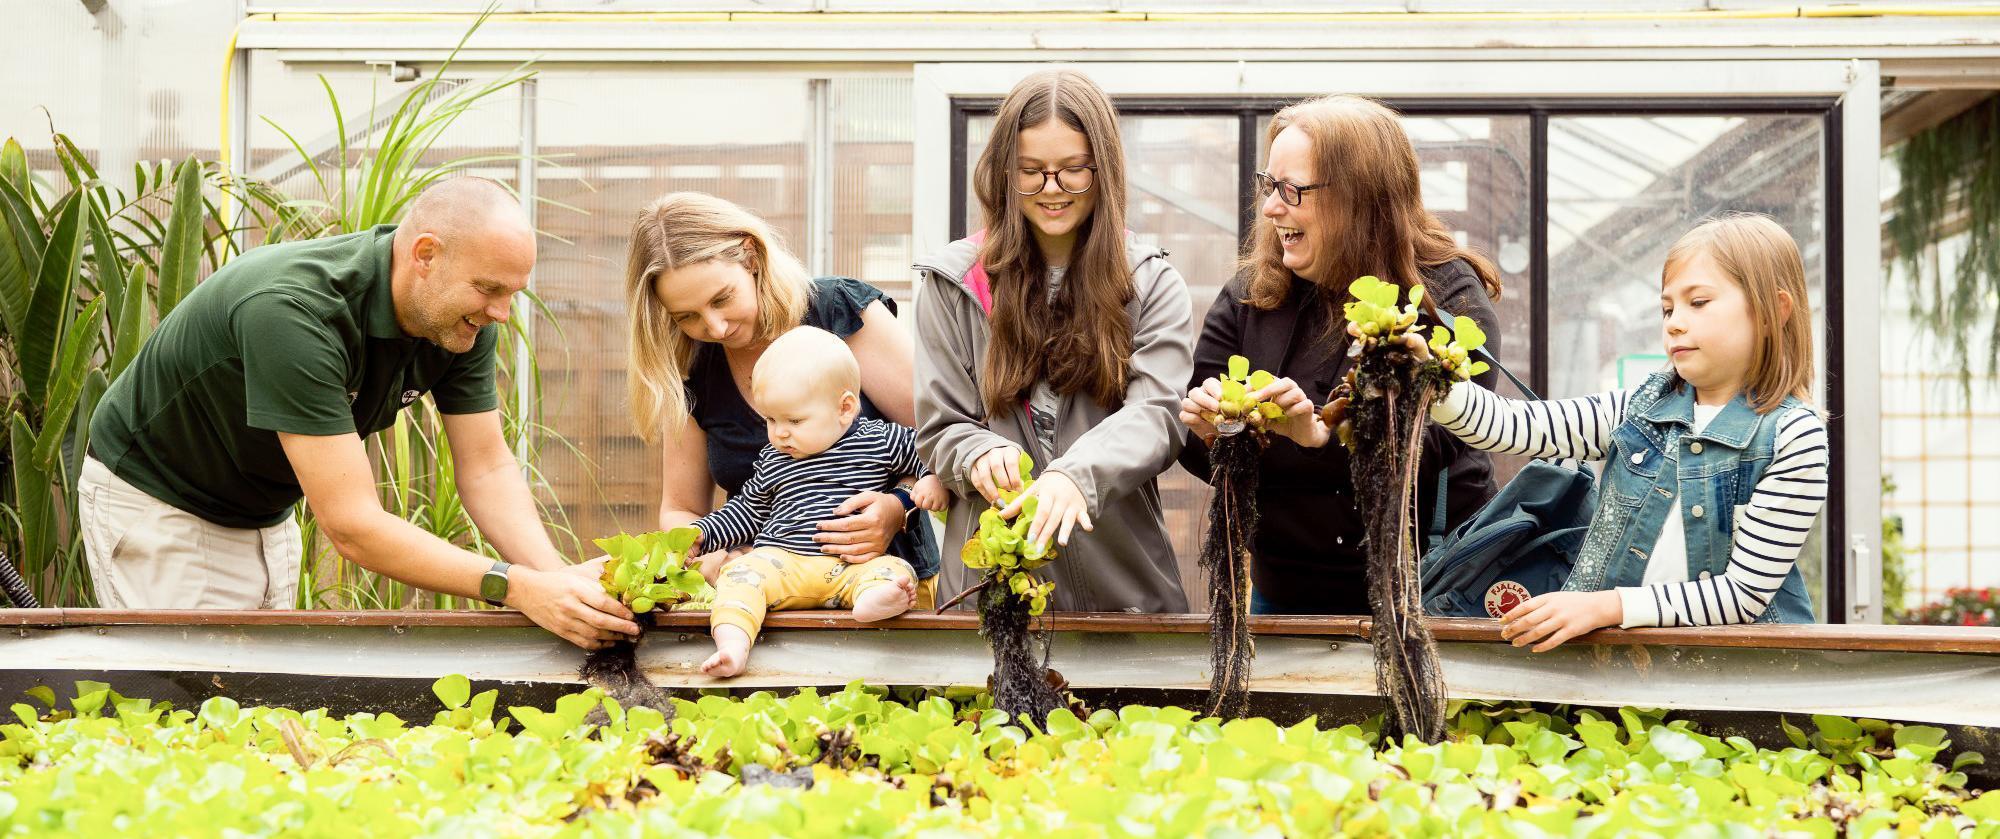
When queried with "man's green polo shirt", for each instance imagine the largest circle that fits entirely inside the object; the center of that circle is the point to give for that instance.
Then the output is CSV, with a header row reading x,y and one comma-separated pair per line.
x,y
298,337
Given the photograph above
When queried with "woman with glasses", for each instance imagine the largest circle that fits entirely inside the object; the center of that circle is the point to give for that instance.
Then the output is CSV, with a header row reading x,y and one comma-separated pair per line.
x,y
1053,332
1340,200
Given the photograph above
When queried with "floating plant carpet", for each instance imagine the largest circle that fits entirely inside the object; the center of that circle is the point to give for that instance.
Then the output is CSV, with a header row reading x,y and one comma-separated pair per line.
x,y
870,762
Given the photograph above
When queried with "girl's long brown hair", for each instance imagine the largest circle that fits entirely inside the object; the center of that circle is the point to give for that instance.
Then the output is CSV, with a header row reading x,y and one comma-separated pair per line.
x,y
1372,208
1082,341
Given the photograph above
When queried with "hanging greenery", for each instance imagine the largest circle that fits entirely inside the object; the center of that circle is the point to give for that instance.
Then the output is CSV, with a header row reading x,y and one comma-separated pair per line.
x,y
1951,174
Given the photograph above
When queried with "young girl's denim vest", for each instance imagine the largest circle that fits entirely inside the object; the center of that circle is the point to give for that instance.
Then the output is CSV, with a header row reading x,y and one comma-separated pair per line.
x,y
1654,458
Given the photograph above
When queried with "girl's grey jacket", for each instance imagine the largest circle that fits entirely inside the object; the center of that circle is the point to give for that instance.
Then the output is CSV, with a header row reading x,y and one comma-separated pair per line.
x,y
1115,457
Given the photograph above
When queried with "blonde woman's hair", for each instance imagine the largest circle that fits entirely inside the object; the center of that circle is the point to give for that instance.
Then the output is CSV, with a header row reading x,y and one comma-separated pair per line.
x,y
1764,261
679,230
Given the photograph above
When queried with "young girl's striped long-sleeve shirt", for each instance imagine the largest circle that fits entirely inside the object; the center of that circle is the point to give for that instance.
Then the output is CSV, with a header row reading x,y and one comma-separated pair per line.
x,y
1768,533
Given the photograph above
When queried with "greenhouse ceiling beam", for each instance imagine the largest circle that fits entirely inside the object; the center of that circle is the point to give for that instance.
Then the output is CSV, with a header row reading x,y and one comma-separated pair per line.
x,y
1926,111
565,37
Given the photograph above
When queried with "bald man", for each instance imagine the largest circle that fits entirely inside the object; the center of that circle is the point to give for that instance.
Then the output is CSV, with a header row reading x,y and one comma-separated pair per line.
x,y
259,389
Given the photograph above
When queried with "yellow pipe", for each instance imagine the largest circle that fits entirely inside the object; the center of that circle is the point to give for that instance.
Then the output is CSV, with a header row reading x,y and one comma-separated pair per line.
x,y
1775,13
228,66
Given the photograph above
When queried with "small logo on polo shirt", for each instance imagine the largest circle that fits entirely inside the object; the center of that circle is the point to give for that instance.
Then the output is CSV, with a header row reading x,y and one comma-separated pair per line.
x,y
411,396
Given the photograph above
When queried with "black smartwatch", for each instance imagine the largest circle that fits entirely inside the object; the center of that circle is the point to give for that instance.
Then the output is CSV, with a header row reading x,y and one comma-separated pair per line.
x,y
493,586
903,495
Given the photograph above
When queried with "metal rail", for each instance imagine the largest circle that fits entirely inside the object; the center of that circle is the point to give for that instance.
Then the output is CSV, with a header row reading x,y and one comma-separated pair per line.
x,y
1919,674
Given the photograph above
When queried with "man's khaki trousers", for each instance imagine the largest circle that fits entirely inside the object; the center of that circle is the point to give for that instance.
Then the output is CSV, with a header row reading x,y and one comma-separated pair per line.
x,y
146,554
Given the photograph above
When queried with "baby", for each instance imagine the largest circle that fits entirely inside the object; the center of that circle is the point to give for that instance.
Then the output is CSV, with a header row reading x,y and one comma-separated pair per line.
x,y
807,388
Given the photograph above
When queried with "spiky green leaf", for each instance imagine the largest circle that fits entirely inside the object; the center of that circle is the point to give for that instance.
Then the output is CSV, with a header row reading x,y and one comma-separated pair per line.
x,y
180,257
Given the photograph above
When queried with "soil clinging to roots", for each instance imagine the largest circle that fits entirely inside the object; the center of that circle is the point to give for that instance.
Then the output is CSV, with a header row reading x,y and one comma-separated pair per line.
x,y
1225,558
616,669
1020,679
1391,401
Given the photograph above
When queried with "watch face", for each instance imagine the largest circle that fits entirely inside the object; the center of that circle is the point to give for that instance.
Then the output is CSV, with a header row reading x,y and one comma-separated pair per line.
x,y
493,586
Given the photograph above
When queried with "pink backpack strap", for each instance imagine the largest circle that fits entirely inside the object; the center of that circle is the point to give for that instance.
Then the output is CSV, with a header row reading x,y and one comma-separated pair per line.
x,y
976,279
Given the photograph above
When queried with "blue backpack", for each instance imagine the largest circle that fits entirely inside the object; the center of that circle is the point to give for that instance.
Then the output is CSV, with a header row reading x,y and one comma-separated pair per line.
x,y
1521,544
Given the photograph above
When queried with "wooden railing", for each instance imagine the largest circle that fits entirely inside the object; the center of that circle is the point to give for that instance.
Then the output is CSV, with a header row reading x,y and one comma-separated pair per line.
x,y
1933,639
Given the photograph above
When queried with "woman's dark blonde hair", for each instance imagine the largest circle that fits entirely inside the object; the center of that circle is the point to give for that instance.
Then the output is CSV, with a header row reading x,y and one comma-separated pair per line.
x,y
1082,341
1372,207
1764,261
689,228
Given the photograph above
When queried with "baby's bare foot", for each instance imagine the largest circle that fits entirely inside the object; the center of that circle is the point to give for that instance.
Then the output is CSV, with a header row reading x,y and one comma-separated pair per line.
x,y
732,653
882,602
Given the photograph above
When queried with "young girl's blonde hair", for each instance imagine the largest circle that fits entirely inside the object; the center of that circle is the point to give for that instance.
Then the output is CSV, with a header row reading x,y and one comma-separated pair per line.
x,y
1764,261
690,228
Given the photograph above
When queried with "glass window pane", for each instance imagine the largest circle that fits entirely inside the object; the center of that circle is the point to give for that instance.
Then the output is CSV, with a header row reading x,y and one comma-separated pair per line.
x,y
873,135
1622,189
1475,179
1181,188
294,98
134,83
616,143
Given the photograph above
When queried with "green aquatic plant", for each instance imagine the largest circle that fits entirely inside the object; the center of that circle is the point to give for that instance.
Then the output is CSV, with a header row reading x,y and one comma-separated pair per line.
x,y
1010,597
864,764
1387,398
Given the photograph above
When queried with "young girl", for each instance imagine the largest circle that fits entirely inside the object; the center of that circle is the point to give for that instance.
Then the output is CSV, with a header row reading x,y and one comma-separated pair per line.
x,y
1714,470
1056,334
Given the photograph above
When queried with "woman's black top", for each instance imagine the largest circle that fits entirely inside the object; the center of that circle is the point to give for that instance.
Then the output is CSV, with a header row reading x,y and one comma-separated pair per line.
x,y
1308,555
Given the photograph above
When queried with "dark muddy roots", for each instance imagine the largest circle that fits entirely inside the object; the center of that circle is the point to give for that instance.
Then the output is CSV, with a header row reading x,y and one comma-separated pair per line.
x,y
1225,557
616,669
1020,679
1390,406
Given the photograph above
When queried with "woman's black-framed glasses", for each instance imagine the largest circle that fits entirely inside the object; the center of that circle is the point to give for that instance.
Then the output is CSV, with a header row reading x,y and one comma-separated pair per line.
x,y
1075,180
1288,192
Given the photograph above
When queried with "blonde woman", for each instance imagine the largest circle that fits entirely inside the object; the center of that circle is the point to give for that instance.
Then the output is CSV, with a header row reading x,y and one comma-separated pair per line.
x,y
710,287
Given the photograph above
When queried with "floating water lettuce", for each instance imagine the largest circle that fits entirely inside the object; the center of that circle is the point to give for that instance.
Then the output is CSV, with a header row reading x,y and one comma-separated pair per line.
x,y
651,570
1009,599
1238,382
1002,550
925,762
